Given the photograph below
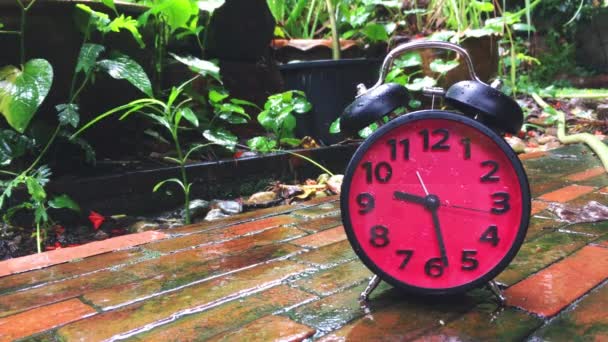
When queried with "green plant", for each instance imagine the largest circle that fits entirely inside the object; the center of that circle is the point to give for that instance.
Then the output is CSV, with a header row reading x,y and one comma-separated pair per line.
x,y
279,120
178,109
22,91
298,18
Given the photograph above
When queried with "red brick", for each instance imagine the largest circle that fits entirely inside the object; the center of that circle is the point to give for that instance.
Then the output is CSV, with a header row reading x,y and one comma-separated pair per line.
x,y
69,269
35,261
140,314
213,321
584,175
42,319
566,194
323,238
270,328
218,234
334,279
317,225
532,155
546,293
538,206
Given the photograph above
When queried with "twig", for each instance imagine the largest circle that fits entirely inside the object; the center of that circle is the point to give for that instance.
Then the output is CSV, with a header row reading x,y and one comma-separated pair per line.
x,y
600,149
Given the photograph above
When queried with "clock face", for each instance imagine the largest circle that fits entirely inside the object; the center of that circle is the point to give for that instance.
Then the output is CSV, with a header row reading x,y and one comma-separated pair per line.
x,y
435,202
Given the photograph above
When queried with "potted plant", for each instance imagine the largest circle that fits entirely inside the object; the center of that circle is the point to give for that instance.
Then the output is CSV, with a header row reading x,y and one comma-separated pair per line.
x,y
327,70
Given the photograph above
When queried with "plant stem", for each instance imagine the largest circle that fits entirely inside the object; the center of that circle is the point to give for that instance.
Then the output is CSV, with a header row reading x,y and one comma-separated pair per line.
x,y
600,149
182,169
38,241
334,30
308,160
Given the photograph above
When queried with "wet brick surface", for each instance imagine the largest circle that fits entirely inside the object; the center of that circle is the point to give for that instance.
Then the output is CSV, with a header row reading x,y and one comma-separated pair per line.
x,y
288,273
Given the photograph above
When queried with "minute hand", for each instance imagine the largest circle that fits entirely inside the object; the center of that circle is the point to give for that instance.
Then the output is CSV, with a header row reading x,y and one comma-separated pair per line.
x,y
404,196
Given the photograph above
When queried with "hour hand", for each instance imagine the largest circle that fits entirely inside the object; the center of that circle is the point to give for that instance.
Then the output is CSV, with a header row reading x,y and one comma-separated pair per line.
x,y
404,196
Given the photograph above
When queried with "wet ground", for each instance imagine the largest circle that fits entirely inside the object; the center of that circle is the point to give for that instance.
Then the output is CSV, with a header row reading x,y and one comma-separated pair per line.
x,y
288,273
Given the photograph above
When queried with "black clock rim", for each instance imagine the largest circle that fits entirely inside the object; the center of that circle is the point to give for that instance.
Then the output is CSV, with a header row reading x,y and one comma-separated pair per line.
x,y
457,117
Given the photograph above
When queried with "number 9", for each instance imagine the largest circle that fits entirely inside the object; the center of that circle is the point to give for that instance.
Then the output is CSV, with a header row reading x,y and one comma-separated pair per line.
x,y
366,202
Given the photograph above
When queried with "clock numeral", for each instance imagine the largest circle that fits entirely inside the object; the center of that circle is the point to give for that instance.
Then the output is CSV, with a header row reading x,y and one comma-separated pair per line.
x,y
466,143
366,201
438,146
489,177
434,268
379,236
501,199
393,146
469,263
490,235
382,172
407,255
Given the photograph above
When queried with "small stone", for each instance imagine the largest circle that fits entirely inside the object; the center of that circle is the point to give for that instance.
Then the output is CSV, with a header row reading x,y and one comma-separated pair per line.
x,y
516,144
229,207
143,226
215,214
546,139
262,197
288,191
100,235
335,183
602,112
198,208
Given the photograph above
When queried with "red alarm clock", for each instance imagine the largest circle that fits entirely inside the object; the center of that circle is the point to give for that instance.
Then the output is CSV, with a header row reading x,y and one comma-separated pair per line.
x,y
436,202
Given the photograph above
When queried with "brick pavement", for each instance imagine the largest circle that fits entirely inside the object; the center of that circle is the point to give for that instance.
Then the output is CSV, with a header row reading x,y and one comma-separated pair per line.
x,y
288,273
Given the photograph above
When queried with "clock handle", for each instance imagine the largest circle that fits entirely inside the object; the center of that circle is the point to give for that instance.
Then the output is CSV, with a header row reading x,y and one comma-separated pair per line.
x,y
403,48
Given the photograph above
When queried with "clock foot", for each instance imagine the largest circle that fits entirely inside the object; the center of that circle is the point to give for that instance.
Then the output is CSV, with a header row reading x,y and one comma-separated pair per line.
x,y
496,289
373,283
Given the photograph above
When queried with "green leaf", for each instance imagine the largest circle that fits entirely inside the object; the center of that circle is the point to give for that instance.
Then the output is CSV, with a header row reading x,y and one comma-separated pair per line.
x,y
243,103
483,6
175,13
232,108
200,66
334,128
367,131
35,189
420,83
482,32
221,137
110,4
88,57
524,27
375,32
443,36
121,67
99,20
267,121
293,142
218,95
22,92
64,202
40,215
189,115
408,60
232,118
170,180
441,66
301,105
415,104
261,144
13,145
68,114
126,23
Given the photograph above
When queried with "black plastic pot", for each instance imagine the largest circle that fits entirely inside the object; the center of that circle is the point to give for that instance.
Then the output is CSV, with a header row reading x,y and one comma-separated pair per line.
x,y
330,86
131,192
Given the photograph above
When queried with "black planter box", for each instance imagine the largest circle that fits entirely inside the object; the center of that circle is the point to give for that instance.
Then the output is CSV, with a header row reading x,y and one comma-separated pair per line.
x,y
330,86
131,192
